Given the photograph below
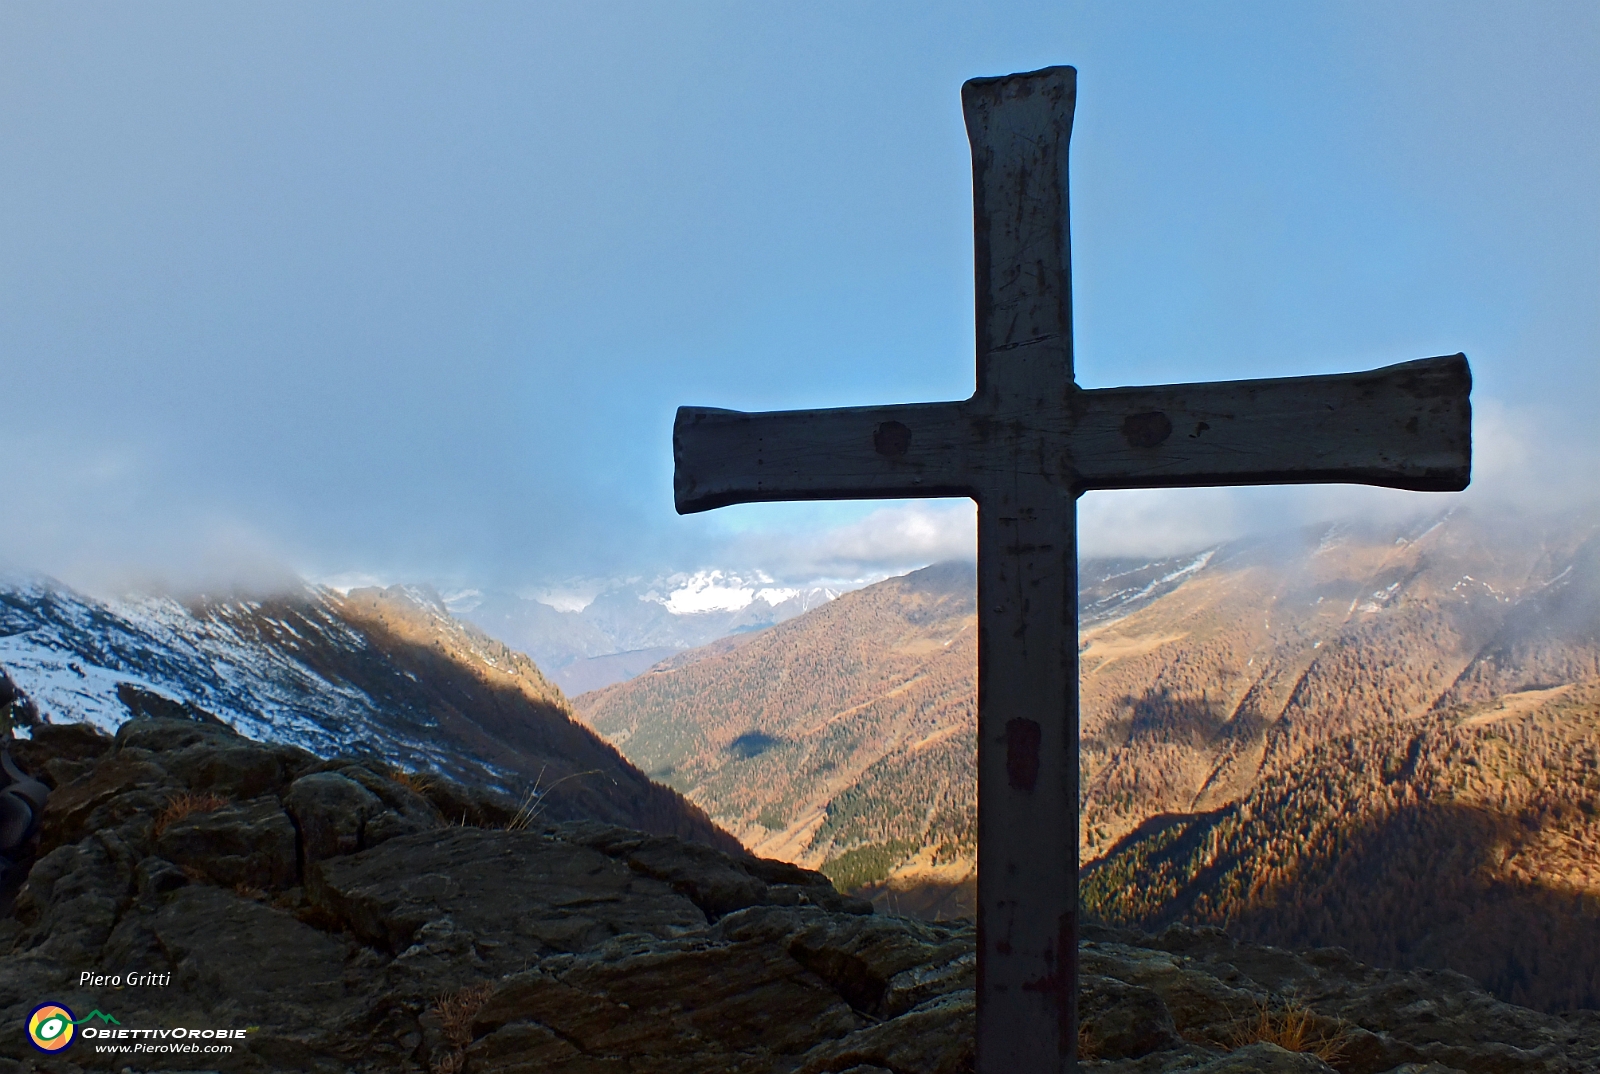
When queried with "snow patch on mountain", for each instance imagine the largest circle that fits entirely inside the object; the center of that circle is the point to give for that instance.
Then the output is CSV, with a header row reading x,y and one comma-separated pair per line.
x,y
709,591
719,591
257,672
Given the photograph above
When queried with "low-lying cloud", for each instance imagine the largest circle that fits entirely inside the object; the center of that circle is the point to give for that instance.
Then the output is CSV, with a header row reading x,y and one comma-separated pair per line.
x,y
112,521
889,540
1523,460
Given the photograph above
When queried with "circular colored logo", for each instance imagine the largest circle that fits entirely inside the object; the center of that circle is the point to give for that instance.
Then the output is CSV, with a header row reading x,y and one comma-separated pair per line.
x,y
50,1027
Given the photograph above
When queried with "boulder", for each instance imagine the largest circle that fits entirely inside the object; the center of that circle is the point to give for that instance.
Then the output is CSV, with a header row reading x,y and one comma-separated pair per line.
x,y
863,957
331,812
936,1037
124,787
1119,1020
520,895
340,811
716,882
247,844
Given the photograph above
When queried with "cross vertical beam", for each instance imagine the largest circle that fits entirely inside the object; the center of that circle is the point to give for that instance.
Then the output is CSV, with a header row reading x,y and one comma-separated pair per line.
x,y
1027,777
1019,129
1024,446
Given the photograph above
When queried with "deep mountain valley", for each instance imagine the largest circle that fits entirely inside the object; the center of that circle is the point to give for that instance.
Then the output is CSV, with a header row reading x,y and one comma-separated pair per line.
x,y
1384,739
628,628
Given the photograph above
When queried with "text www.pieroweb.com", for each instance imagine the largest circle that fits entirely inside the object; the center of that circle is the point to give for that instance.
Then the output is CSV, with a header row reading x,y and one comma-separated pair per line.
x,y
167,1041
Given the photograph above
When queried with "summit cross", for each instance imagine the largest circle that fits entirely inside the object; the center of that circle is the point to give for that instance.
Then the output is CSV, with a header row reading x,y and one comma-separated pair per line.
x,y
1025,445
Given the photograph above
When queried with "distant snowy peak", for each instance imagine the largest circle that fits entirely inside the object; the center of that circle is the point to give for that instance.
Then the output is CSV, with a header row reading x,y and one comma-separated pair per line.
x,y
424,597
461,601
634,616
707,591
715,591
719,591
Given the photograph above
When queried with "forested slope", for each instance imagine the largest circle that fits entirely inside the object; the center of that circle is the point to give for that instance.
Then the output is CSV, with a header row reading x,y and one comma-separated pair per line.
x,y
1379,738
1426,794
847,729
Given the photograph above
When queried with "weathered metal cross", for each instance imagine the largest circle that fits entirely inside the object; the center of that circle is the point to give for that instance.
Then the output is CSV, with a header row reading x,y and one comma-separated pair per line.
x,y
1025,446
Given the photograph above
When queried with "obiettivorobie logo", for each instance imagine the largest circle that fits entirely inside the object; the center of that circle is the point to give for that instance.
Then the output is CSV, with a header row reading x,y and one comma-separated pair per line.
x,y
51,1026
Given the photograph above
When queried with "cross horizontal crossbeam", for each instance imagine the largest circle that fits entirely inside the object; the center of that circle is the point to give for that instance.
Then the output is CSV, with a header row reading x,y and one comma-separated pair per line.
x,y
1405,426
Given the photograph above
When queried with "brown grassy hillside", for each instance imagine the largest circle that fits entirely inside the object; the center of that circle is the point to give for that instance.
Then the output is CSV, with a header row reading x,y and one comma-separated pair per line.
x,y
846,738
847,729
1468,838
1273,736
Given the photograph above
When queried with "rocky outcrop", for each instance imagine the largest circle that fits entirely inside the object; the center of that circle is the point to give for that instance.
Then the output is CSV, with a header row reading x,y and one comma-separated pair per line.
x,y
346,918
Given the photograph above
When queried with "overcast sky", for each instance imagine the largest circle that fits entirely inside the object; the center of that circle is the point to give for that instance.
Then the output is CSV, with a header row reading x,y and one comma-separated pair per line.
x,y
413,291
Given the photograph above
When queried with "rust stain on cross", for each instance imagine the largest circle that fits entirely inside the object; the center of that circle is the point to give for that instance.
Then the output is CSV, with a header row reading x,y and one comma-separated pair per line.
x,y
1026,444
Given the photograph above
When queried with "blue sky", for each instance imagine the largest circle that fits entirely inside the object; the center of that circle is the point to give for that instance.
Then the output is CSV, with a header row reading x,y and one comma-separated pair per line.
x,y
413,290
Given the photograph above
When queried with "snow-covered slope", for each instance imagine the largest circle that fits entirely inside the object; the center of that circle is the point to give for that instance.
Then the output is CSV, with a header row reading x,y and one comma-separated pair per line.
x,y
381,673
68,652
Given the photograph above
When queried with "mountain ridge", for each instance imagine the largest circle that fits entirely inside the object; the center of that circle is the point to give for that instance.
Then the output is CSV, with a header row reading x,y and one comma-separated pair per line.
x,y
1235,703
380,673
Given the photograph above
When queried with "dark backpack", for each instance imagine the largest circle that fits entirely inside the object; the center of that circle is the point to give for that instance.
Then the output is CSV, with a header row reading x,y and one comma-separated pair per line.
x,y
22,801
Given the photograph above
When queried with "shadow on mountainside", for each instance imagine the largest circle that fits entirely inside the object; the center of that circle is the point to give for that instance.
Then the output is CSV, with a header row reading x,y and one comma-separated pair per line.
x,y
1425,885
513,721
1165,716
929,900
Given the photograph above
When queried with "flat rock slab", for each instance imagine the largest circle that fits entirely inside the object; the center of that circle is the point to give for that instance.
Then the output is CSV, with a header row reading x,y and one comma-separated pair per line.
x,y
520,895
686,1005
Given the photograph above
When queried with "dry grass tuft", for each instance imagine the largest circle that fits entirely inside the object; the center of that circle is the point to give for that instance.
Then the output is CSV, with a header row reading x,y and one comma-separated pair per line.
x,y
1293,1027
185,805
457,1010
1088,1044
412,781
534,801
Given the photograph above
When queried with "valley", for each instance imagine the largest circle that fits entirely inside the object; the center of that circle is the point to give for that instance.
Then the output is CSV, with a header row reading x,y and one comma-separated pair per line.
x,y
1373,737
821,736
1380,738
631,625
